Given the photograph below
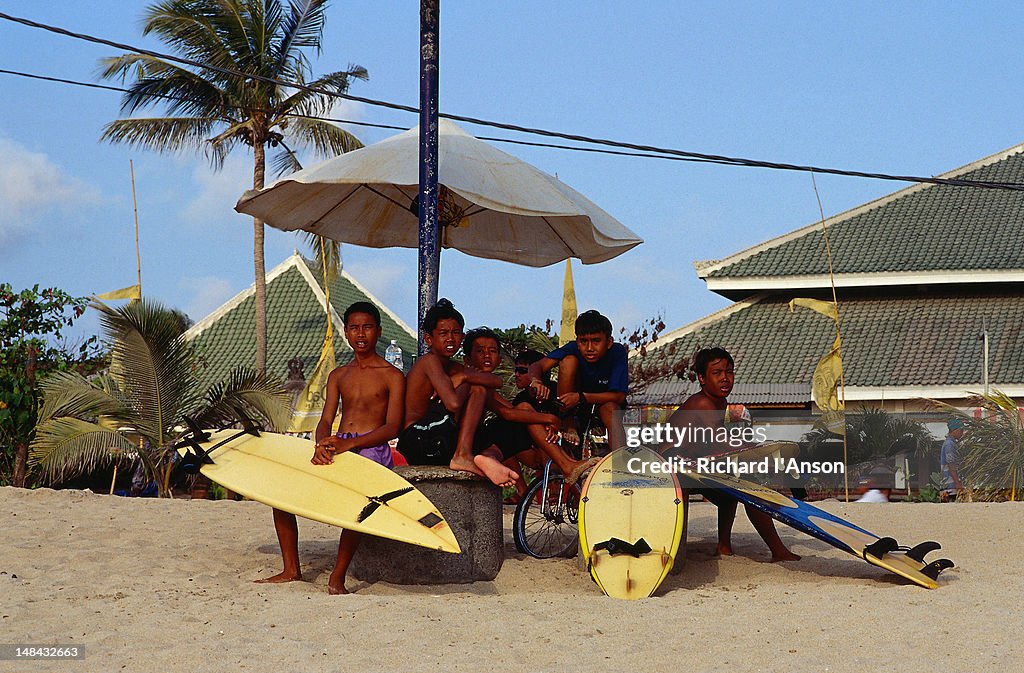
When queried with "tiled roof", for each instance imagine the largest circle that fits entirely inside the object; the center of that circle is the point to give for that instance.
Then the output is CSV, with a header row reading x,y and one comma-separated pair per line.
x,y
296,323
891,341
924,228
671,392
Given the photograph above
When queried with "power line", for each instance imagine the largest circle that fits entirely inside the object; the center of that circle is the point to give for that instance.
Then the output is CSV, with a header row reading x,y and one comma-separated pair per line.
x,y
647,150
597,150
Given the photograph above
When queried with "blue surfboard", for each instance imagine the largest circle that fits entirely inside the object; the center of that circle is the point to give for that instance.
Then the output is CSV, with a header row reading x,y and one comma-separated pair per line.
x,y
884,552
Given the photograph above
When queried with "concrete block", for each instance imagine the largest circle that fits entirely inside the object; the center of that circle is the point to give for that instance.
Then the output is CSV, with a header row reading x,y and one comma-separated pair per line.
x,y
472,507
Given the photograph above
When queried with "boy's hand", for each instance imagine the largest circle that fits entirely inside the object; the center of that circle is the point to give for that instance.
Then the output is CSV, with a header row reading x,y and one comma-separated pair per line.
x,y
570,400
322,455
539,390
553,430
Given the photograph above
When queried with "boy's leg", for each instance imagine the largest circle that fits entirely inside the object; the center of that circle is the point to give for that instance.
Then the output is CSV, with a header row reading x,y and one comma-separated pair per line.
x,y
611,416
346,549
766,529
288,537
484,464
726,515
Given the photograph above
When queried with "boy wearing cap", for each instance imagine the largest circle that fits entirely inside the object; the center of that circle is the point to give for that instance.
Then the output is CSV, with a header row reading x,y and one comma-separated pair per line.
x,y
949,458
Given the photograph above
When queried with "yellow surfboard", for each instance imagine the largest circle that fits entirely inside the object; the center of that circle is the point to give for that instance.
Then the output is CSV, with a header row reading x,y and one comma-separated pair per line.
x,y
352,492
631,522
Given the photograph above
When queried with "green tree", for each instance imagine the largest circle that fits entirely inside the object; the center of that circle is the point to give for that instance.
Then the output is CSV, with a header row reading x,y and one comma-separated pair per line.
x,y
138,408
992,447
874,434
31,346
217,112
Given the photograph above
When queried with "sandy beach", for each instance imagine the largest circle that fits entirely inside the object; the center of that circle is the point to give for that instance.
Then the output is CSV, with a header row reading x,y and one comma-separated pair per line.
x,y
148,585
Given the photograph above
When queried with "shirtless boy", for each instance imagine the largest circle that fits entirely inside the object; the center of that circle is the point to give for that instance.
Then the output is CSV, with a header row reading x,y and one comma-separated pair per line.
x,y
371,393
444,402
707,408
517,427
592,370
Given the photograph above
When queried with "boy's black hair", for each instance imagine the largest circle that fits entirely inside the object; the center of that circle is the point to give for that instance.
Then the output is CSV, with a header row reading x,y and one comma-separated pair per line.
x,y
592,322
362,307
528,357
478,333
442,310
706,356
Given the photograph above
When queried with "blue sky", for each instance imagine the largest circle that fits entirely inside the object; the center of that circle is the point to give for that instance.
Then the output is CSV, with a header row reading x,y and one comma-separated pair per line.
x,y
911,87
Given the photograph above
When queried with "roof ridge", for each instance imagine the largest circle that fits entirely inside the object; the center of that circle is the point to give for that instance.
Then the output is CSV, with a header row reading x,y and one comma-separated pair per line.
x,y
700,323
706,267
233,303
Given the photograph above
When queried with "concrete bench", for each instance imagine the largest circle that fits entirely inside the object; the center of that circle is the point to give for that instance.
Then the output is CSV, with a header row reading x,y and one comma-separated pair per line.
x,y
472,507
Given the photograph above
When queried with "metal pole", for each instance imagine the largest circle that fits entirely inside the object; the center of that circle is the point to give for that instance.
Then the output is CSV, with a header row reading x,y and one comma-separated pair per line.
x,y
429,230
984,355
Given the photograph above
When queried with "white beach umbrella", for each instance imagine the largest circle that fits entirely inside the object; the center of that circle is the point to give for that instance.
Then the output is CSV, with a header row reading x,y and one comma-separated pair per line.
x,y
491,204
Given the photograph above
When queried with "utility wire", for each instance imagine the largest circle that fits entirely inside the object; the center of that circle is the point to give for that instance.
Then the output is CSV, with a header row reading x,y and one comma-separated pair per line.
x,y
576,148
698,156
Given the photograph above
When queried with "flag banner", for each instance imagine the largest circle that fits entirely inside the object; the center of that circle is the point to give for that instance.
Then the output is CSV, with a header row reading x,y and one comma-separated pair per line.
x,y
310,403
568,331
826,308
130,292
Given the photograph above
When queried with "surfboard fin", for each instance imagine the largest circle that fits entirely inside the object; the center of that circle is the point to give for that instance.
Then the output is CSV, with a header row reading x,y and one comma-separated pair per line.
x,y
378,500
920,551
933,569
616,546
881,547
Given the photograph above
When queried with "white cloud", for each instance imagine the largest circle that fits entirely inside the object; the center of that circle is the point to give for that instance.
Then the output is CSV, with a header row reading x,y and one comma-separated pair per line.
x,y
208,293
31,186
216,192
382,279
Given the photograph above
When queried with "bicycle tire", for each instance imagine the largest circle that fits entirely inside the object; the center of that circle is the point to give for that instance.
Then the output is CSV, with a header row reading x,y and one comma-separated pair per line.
x,y
547,532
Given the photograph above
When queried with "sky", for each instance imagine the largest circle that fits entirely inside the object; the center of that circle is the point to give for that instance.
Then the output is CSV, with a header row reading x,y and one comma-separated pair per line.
x,y
915,88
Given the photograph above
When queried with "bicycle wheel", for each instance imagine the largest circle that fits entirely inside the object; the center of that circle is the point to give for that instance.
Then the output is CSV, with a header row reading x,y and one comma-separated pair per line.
x,y
547,527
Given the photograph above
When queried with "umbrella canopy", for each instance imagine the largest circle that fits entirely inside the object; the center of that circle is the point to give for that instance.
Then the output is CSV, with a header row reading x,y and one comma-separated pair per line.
x,y
491,204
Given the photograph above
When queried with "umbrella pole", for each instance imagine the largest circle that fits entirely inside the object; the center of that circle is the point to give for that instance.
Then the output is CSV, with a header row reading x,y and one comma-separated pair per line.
x,y
429,229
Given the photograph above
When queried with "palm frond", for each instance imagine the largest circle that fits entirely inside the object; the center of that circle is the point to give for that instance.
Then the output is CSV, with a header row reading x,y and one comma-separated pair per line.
x,y
152,363
313,101
249,391
160,134
992,446
301,28
65,447
324,138
326,254
71,394
284,162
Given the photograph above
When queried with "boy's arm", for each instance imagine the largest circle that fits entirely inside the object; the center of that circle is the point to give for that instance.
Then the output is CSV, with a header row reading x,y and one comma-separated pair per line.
x,y
514,414
572,399
441,382
324,427
475,377
378,436
537,369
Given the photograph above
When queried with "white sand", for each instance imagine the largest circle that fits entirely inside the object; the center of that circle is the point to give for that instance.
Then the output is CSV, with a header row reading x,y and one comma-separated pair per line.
x,y
159,585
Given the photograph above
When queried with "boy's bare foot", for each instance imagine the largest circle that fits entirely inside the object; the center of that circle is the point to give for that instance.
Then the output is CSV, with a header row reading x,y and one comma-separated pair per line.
x,y
784,556
488,467
337,589
724,549
281,577
580,469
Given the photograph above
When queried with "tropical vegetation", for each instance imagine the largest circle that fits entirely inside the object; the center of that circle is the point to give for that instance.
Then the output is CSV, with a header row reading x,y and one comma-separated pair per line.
x,y
991,450
32,345
137,410
873,435
211,109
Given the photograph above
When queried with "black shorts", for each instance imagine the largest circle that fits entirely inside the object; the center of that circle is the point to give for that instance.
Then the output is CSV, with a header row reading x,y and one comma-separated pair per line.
x,y
510,438
432,439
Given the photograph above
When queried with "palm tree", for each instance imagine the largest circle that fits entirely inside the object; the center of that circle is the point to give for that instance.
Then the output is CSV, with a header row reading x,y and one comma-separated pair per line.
x,y
216,112
992,447
139,405
873,434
